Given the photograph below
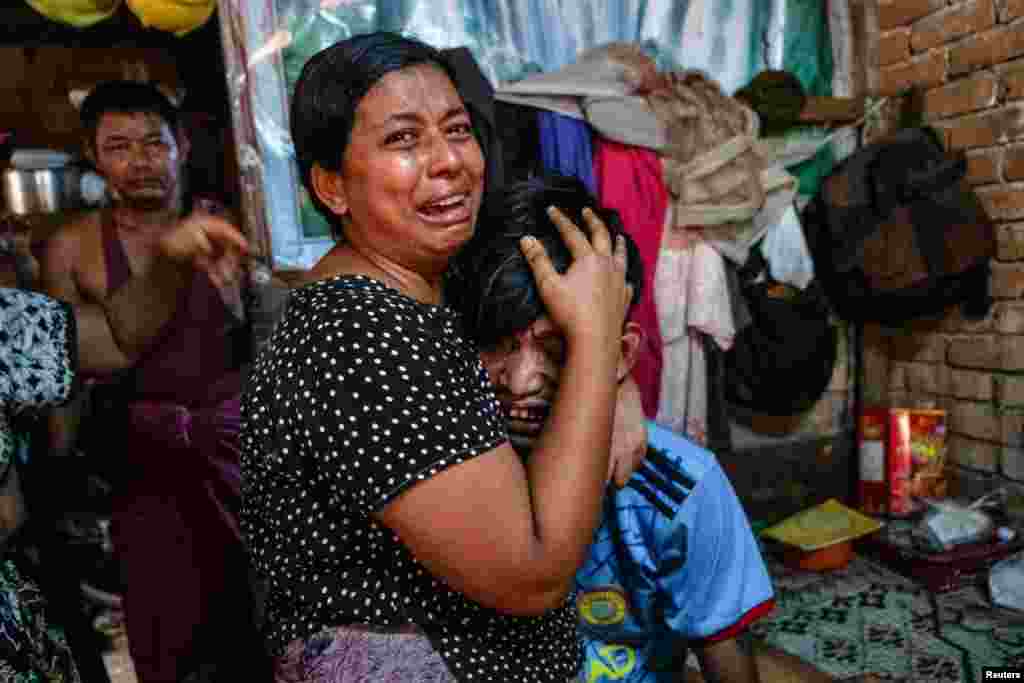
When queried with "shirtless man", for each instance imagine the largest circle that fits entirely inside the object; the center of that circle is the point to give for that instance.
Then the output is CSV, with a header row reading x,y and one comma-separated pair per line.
x,y
174,361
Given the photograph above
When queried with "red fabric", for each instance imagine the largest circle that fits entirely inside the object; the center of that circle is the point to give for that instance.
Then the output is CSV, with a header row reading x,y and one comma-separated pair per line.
x,y
175,531
629,180
741,625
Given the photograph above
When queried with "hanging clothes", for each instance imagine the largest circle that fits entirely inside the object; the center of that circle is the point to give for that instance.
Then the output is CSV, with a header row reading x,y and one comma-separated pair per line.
x,y
566,147
606,86
629,181
713,171
692,296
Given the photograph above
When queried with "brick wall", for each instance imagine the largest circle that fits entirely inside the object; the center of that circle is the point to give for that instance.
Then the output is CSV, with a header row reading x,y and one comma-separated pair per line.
x,y
968,55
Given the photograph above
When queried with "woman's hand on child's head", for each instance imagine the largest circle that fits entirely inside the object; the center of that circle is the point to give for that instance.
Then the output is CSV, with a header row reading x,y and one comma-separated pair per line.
x,y
589,301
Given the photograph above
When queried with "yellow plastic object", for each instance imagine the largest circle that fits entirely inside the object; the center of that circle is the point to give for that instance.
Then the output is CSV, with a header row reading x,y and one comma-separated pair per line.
x,y
821,526
77,13
175,16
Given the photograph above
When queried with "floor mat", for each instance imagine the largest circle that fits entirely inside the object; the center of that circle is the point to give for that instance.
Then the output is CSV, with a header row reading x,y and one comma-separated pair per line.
x,y
867,619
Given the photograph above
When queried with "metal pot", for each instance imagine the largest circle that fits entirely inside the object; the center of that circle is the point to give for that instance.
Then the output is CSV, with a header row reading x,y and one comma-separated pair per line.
x,y
41,190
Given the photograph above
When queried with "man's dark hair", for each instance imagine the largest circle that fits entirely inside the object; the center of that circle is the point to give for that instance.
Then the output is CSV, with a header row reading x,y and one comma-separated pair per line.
x,y
329,89
494,286
126,97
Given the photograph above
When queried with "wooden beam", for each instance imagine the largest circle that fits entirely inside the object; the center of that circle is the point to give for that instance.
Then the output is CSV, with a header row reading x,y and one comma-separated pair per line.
x,y
832,110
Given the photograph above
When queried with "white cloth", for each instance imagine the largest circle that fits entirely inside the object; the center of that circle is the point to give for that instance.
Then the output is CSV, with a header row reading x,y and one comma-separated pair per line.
x,y
786,252
691,293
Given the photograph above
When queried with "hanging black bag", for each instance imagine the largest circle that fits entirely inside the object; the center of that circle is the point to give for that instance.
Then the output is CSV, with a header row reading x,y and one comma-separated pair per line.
x,y
896,232
781,363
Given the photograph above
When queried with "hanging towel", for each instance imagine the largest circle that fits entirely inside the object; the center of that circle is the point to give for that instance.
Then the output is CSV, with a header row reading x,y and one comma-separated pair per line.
x,y
629,180
713,168
566,148
692,295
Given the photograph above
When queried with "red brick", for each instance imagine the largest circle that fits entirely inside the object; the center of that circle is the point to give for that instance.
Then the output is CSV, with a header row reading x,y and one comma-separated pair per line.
x,y
899,398
970,384
1012,75
913,399
954,22
1010,10
961,96
1011,353
986,129
1009,317
1007,280
993,46
926,71
1003,202
1010,390
894,46
981,351
1012,428
901,12
897,377
983,165
1013,164
978,455
976,420
1010,242
927,378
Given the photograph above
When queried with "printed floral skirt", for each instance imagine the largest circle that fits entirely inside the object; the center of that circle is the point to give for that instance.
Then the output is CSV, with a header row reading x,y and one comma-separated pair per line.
x,y
360,654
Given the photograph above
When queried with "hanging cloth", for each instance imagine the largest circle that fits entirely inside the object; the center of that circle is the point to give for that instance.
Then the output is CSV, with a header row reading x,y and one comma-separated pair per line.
x,y
713,169
606,87
565,147
629,181
692,295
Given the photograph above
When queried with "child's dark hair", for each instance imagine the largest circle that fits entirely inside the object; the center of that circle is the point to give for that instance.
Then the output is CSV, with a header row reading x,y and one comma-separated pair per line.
x,y
493,286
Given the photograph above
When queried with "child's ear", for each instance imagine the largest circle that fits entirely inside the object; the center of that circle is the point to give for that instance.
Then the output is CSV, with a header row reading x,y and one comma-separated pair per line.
x,y
632,337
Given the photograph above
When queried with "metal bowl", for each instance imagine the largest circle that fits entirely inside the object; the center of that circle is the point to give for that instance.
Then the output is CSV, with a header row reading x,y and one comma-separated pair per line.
x,y
43,190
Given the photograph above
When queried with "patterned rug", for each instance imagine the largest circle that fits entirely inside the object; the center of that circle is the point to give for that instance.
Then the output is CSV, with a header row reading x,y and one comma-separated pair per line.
x,y
868,619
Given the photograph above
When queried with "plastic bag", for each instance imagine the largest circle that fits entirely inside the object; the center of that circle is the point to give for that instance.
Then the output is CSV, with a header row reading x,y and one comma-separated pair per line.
x,y
949,524
785,250
1006,582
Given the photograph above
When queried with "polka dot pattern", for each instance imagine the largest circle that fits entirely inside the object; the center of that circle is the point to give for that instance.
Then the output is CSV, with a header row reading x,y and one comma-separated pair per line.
x,y
361,393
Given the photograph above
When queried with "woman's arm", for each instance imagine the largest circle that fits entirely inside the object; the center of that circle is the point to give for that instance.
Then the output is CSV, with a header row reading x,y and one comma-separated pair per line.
x,y
511,536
